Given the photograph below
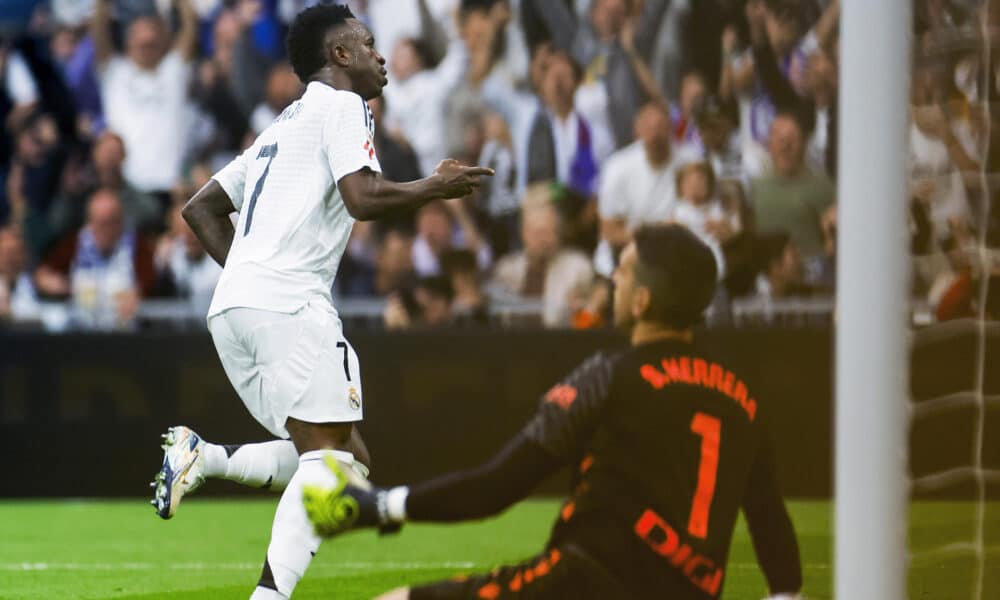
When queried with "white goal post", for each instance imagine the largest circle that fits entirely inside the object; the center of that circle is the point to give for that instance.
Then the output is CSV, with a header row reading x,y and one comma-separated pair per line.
x,y
873,275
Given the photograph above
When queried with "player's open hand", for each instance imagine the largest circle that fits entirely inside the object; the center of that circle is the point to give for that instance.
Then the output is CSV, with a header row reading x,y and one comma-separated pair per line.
x,y
456,180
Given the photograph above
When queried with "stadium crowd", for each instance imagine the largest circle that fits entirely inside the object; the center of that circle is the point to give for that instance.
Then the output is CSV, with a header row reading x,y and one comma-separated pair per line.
x,y
597,115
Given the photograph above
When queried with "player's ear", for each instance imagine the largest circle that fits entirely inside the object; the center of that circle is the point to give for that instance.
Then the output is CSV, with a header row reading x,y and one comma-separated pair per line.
x,y
337,52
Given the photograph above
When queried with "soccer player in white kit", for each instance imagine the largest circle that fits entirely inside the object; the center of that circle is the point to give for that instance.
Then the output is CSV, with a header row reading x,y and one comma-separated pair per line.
x,y
298,190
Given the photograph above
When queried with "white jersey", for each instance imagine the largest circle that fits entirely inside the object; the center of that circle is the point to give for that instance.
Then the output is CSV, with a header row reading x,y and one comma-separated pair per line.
x,y
293,226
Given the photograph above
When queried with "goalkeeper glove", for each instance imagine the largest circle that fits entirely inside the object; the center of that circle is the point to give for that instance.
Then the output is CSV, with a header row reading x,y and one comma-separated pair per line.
x,y
352,504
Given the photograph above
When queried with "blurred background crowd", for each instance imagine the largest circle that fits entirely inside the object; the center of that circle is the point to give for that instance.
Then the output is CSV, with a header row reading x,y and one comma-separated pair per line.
x,y
597,115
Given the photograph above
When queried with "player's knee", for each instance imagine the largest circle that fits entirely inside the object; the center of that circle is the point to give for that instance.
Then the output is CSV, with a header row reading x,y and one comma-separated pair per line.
x,y
397,594
357,447
318,436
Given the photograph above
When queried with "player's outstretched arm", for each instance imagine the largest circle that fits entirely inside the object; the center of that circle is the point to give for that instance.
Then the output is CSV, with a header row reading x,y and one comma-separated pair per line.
x,y
369,196
207,212
771,528
475,493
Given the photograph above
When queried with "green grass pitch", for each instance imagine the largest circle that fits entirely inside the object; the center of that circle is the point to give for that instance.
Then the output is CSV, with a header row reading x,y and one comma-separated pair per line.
x,y
213,550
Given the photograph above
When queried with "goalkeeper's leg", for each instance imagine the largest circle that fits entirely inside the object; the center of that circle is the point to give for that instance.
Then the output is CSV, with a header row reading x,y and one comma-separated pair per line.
x,y
561,572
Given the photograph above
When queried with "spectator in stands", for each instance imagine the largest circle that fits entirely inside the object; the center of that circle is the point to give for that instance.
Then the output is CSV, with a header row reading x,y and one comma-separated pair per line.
x,y
562,145
814,99
717,140
495,59
283,87
775,25
561,277
212,89
184,267
427,305
106,268
416,99
616,93
33,179
19,98
498,197
246,53
394,262
433,296
781,271
793,199
231,83
682,114
442,226
395,154
18,300
470,302
519,107
356,275
145,93
638,185
700,210
105,170
942,147
821,85
73,50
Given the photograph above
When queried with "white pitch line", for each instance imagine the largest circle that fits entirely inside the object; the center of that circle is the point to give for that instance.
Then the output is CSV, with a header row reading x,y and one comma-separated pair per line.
x,y
205,566
236,566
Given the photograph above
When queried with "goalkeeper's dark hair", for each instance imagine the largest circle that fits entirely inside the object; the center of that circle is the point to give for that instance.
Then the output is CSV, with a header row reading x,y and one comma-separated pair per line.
x,y
680,272
306,39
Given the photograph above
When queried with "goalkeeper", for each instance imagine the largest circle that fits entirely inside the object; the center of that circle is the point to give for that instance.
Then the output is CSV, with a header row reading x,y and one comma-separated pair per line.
x,y
667,441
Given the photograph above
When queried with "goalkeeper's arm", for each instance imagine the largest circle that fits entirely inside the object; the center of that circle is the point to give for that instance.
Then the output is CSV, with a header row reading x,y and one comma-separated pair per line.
x,y
771,528
482,491
558,432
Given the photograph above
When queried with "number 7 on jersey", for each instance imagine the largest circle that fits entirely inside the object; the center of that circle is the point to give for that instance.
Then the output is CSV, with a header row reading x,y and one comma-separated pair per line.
x,y
268,152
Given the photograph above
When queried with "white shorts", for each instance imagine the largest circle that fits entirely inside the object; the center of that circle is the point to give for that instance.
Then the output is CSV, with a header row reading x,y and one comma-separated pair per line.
x,y
290,365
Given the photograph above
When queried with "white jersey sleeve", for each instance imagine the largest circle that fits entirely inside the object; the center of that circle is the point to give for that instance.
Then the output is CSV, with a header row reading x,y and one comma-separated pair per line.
x,y
232,178
349,137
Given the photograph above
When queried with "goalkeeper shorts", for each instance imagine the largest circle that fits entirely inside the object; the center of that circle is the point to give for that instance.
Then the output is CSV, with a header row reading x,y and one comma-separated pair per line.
x,y
563,572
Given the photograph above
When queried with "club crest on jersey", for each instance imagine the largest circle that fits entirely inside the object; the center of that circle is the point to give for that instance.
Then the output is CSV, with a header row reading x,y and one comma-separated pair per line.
x,y
370,149
354,398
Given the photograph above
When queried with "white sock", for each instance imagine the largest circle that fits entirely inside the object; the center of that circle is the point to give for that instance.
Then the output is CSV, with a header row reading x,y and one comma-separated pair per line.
x,y
263,593
293,541
264,465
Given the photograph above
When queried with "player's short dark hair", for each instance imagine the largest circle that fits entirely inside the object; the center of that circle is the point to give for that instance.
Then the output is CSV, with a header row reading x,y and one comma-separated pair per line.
x,y
307,36
680,272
